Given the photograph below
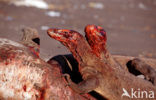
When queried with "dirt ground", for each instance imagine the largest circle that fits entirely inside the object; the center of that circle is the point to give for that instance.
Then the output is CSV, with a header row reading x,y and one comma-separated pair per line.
x,y
130,24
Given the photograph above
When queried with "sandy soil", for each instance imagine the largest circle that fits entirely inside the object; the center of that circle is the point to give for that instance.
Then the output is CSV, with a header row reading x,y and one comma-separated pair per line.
x,y
130,24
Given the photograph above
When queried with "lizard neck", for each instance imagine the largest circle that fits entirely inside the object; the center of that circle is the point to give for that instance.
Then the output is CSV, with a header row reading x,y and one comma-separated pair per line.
x,y
82,52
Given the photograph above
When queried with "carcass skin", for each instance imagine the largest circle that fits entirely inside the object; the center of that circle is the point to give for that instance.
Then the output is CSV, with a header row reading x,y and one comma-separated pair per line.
x,y
24,76
98,68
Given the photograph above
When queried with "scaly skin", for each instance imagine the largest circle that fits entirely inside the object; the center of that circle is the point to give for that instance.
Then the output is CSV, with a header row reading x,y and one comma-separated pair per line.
x,y
71,39
24,76
96,37
99,71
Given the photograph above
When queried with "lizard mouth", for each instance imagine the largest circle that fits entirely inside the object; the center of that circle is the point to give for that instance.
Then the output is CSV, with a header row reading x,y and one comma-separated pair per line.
x,y
63,35
57,34
53,33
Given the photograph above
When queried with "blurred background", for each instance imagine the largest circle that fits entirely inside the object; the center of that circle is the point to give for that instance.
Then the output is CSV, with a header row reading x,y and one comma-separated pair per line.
x,y
130,24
